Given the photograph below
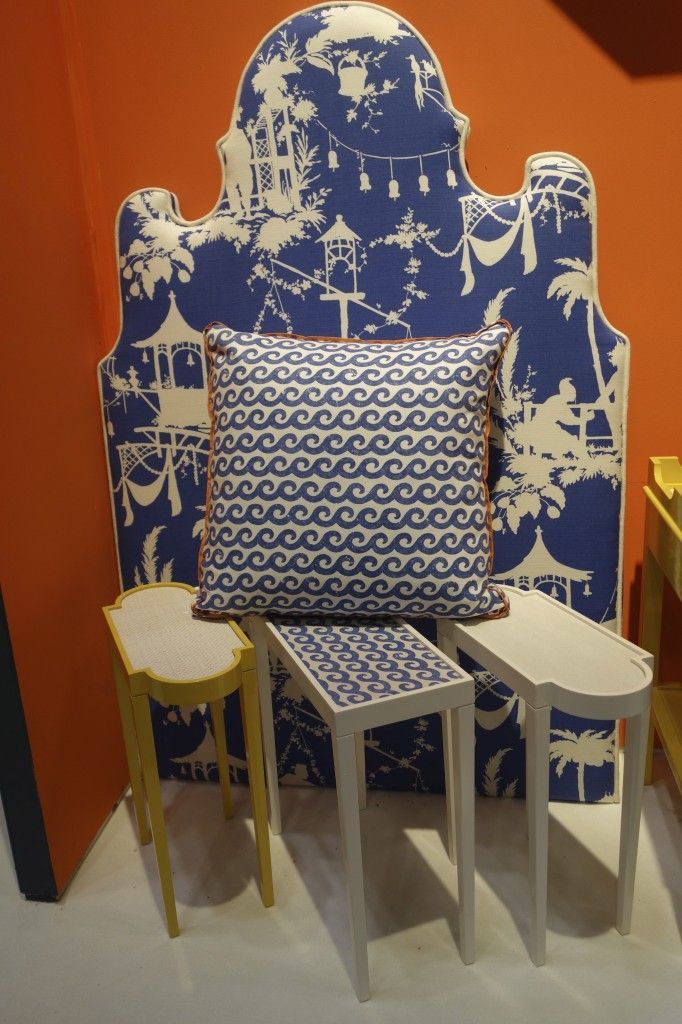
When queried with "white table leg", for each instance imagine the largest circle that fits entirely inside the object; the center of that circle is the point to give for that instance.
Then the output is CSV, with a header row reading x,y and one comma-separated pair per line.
x,y
349,820
360,765
537,799
636,736
443,642
450,784
255,626
462,739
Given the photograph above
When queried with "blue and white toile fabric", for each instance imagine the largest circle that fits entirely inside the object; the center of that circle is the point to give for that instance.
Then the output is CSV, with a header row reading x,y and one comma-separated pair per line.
x,y
348,477
346,210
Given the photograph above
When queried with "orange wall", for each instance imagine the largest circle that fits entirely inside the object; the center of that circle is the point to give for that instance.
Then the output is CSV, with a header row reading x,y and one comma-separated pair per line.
x,y
160,96
56,544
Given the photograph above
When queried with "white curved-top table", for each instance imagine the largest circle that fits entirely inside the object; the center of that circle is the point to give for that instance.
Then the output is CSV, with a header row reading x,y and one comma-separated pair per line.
x,y
552,656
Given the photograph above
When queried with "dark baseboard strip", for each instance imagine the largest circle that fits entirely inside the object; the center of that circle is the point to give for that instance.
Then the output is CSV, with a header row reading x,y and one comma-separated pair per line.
x,y
18,789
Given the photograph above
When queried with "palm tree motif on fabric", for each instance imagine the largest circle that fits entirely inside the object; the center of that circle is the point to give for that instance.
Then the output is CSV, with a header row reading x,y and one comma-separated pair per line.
x,y
556,185
588,749
577,284
547,446
148,571
492,780
198,527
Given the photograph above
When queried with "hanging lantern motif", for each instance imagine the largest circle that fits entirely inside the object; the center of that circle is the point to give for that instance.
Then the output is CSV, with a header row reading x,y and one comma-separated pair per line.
x,y
145,357
423,179
586,591
393,185
332,156
190,359
451,177
365,183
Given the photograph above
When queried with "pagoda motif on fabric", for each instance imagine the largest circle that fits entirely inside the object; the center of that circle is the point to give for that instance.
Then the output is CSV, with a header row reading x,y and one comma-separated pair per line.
x,y
340,248
176,434
540,570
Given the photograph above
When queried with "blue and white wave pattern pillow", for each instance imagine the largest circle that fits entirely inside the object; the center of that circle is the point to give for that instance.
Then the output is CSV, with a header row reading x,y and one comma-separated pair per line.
x,y
348,477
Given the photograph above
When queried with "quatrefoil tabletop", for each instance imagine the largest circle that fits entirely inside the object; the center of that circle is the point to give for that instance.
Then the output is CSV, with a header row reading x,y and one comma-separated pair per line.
x,y
159,633
357,662
346,209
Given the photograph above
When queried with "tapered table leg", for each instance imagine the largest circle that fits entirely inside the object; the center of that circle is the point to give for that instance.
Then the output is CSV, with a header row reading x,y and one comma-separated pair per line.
x,y
537,801
257,629
462,733
636,738
254,759
145,739
125,708
349,820
450,783
361,770
218,719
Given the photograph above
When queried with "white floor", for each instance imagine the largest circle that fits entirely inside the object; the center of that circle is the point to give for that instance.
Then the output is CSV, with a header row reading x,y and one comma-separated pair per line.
x,y
101,955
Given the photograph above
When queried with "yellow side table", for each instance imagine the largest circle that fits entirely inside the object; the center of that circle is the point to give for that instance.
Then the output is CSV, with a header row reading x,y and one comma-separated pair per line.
x,y
662,560
159,650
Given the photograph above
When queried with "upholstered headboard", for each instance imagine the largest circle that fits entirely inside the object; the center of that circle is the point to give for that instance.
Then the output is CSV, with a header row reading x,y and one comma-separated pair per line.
x,y
347,209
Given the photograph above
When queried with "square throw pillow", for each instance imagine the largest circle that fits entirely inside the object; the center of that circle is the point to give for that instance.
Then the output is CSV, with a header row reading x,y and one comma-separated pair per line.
x,y
348,477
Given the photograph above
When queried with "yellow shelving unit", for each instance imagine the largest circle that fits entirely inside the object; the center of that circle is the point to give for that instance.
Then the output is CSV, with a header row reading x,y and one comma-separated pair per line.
x,y
662,560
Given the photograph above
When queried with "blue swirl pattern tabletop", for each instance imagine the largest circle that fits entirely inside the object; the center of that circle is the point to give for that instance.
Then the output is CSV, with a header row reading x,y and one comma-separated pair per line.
x,y
357,662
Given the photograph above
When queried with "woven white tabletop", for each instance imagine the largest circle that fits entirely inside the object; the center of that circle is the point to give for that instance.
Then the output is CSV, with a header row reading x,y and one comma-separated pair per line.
x,y
158,632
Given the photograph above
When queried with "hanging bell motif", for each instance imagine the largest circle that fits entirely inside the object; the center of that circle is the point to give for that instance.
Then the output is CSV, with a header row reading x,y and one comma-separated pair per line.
x,y
393,189
451,178
365,183
333,160
424,184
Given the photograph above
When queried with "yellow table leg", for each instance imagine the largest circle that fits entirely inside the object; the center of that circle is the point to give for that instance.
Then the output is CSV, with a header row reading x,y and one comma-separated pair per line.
x,y
145,739
130,743
248,699
650,621
218,719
